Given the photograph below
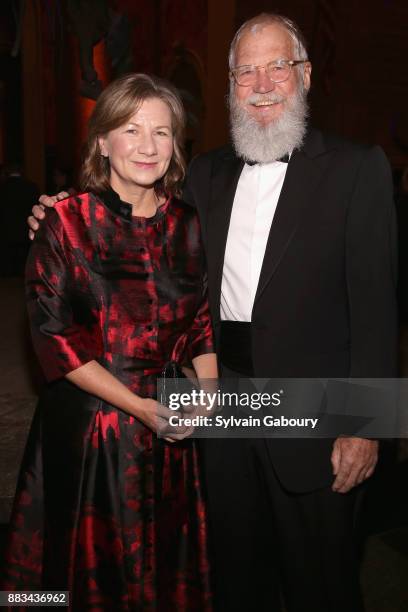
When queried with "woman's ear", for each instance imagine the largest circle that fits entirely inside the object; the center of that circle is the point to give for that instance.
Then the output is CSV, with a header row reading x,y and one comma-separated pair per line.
x,y
102,146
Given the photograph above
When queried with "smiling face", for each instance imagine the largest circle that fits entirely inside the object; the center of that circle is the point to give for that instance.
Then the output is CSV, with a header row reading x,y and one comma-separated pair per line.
x,y
265,100
140,150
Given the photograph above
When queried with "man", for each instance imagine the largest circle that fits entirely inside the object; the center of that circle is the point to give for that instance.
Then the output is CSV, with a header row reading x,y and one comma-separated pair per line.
x,y
300,282
300,264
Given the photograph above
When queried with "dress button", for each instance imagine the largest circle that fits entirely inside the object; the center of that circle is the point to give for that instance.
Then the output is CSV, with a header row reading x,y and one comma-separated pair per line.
x,y
142,250
149,328
150,301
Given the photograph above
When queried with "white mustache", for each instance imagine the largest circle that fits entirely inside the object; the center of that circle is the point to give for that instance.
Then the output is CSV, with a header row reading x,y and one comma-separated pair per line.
x,y
264,99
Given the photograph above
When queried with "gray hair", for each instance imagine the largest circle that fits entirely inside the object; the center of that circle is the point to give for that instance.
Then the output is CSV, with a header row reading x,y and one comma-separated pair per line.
x,y
263,19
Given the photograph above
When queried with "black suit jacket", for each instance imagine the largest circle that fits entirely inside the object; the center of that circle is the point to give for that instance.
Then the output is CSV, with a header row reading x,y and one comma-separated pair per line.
x,y
325,304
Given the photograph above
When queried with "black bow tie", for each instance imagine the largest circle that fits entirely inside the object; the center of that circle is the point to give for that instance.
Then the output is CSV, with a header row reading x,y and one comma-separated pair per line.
x,y
284,159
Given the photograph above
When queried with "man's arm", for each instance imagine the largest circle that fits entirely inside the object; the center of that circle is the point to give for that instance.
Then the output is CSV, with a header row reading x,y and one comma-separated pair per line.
x,y
371,264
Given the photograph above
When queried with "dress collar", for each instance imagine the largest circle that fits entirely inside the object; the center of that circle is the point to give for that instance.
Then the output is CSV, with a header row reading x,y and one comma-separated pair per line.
x,y
112,200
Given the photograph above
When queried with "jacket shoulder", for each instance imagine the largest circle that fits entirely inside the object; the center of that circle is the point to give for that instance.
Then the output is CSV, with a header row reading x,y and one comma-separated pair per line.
x,y
348,155
62,214
331,140
209,158
74,202
180,205
183,210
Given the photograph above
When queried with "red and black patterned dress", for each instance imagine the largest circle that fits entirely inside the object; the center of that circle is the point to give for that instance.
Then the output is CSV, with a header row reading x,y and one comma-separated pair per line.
x,y
105,509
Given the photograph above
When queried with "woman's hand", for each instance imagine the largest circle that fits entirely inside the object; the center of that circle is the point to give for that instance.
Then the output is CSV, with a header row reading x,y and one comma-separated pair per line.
x,y
95,379
39,211
156,416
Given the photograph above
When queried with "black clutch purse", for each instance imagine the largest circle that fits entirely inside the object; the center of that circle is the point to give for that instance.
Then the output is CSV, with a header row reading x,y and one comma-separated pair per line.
x,y
169,382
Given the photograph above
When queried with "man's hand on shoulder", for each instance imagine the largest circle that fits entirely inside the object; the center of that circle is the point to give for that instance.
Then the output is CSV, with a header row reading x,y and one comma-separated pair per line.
x,y
39,211
353,461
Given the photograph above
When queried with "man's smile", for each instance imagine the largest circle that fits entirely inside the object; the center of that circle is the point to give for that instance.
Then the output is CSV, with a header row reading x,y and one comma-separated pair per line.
x,y
266,103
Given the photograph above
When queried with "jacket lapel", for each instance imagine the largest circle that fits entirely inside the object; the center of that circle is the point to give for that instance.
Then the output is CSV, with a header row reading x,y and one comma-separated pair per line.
x,y
224,182
305,170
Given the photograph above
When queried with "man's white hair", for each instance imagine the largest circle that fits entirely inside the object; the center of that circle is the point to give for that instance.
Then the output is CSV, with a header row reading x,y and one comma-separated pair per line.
x,y
260,21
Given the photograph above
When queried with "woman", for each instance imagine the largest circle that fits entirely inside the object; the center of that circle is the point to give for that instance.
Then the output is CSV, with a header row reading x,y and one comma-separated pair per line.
x,y
115,287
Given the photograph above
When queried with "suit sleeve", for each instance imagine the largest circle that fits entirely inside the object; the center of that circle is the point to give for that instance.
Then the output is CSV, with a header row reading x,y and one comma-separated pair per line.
x,y
64,326
371,270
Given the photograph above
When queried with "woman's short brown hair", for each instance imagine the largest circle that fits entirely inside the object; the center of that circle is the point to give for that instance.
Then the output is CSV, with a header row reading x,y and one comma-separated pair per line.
x,y
116,104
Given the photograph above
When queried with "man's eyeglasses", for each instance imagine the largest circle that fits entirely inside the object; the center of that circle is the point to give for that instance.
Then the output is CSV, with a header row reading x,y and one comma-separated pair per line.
x,y
277,71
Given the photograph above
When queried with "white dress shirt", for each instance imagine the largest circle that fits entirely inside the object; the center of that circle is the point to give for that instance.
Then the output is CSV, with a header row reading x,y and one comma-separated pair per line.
x,y
254,206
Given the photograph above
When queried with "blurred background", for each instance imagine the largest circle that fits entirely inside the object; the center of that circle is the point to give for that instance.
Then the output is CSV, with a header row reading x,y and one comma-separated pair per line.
x,y
56,55
55,58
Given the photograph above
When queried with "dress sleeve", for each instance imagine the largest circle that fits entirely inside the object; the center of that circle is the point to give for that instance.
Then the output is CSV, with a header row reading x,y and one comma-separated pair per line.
x,y
200,339
64,323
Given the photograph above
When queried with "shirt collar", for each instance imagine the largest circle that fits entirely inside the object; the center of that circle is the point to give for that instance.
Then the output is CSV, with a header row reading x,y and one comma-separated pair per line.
x,y
283,160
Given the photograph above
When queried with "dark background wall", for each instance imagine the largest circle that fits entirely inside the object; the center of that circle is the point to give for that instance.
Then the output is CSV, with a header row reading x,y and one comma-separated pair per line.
x,y
358,50
360,80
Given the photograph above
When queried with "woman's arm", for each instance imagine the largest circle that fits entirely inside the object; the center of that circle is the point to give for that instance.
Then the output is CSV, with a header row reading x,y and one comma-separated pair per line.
x,y
205,366
207,374
70,348
96,380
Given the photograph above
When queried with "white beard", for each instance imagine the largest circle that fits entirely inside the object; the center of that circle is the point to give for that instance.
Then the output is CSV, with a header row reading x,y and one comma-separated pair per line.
x,y
266,143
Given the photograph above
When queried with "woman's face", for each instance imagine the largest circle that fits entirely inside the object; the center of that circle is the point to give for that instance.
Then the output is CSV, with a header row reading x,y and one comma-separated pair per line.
x,y
140,151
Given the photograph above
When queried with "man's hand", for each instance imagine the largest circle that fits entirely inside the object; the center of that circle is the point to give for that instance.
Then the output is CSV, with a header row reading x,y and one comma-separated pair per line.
x,y
39,211
353,461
